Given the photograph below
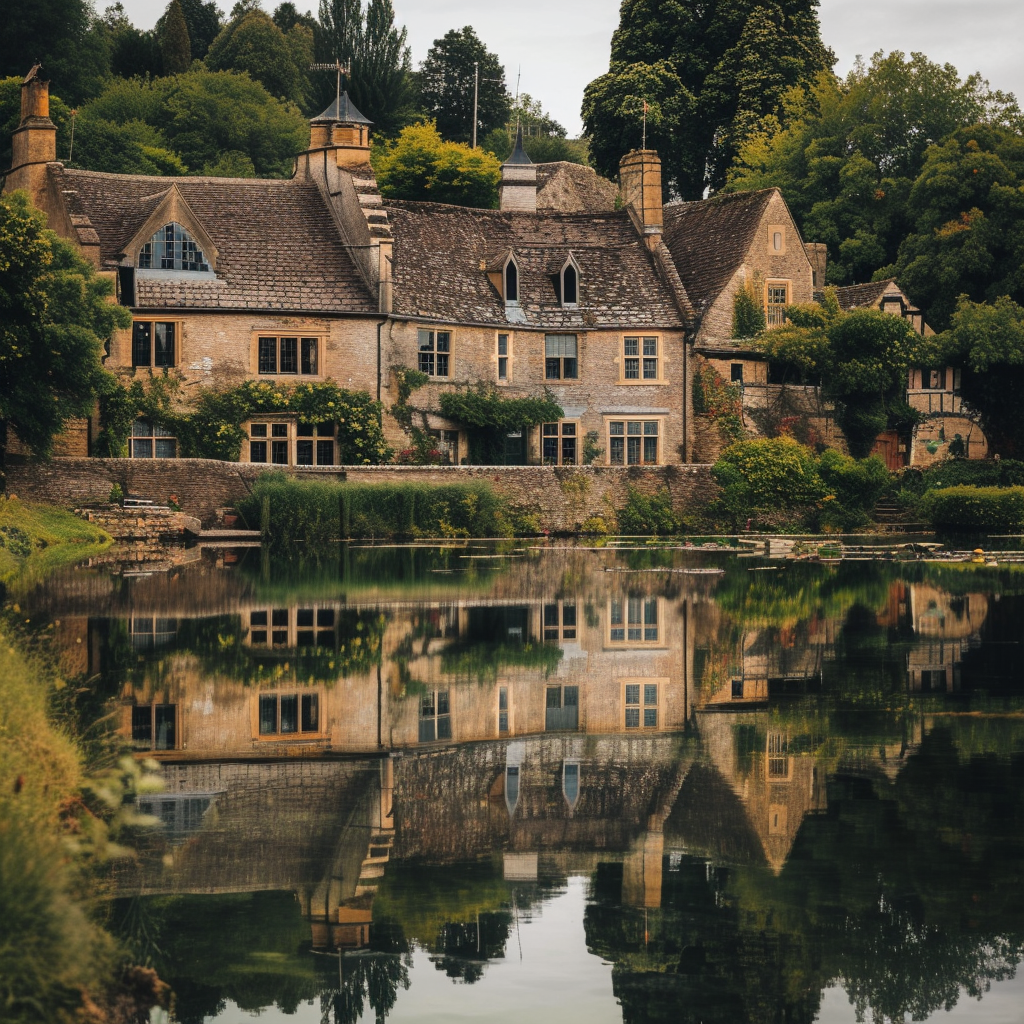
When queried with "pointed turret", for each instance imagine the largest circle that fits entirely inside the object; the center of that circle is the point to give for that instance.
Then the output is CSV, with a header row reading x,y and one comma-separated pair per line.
x,y
519,179
342,128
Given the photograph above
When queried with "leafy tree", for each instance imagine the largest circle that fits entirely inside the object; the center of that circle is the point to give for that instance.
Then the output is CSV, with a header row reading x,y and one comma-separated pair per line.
x,y
376,52
175,46
203,20
63,35
132,51
130,148
56,317
708,72
845,153
286,16
543,137
861,359
446,80
748,319
420,165
253,43
987,341
966,209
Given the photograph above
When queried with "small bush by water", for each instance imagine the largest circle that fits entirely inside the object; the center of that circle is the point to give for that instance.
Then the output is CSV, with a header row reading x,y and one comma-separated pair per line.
x,y
975,509
313,513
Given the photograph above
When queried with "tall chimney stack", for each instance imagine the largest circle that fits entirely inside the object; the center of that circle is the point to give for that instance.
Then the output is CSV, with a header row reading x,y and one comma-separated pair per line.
x,y
640,183
34,142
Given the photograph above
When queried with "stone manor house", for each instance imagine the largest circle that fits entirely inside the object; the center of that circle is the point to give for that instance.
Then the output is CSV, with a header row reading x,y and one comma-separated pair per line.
x,y
600,294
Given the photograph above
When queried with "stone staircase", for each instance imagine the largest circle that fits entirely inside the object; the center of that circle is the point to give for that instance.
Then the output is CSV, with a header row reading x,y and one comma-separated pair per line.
x,y
891,518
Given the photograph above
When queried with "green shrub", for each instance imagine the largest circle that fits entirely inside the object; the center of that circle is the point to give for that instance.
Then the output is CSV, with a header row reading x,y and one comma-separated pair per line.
x,y
974,472
975,509
648,515
311,514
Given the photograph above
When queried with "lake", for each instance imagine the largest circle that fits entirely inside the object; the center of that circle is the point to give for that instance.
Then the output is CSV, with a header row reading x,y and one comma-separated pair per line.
x,y
540,781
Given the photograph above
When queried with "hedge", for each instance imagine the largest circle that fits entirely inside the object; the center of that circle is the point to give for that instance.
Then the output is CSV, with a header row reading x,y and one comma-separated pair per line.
x,y
976,509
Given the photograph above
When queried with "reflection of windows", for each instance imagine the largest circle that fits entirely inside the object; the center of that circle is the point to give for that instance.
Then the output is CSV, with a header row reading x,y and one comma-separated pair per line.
x,y
562,707
640,358
778,761
560,621
558,444
288,356
434,352
571,782
152,441
736,373
511,787
153,343
633,442
634,621
435,717
560,357
640,699
737,689
147,633
502,710
777,818
314,627
283,714
154,726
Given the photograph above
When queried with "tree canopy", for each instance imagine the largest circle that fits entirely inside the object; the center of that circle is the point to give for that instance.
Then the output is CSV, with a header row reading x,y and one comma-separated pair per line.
x,y
709,74
420,165
175,45
56,317
446,81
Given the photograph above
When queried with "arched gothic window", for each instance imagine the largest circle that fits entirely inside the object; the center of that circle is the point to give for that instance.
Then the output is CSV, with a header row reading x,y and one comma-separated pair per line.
x,y
511,281
570,284
172,248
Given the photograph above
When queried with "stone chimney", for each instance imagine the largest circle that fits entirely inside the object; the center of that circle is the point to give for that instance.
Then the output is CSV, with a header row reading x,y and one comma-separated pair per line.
x,y
519,180
343,130
34,143
817,254
640,183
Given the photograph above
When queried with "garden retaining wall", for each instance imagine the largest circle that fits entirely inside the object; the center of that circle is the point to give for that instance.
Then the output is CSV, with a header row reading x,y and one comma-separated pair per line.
x,y
562,497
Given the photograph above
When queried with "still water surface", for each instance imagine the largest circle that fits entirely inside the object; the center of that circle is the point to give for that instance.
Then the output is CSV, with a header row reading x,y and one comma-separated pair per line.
x,y
552,783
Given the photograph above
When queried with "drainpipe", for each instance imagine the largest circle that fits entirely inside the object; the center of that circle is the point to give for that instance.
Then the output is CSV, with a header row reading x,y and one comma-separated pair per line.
x,y
380,324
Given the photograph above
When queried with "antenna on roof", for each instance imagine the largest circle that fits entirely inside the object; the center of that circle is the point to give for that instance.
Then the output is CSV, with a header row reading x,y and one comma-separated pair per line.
x,y
341,69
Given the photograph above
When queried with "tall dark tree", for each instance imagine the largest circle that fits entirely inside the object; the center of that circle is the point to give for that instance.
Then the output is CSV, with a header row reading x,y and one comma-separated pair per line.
x,y
63,35
132,51
203,20
709,73
446,86
175,45
375,51
287,16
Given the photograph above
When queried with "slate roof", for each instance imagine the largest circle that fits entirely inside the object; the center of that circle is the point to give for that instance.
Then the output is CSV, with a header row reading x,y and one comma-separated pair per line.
x,y
442,253
857,295
573,188
277,244
710,238
342,109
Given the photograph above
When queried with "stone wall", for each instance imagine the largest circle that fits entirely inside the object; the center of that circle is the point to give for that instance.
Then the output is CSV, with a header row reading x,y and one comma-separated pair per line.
x,y
562,498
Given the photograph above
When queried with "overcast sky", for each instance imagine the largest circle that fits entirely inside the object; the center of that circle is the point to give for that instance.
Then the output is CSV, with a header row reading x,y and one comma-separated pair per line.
x,y
561,45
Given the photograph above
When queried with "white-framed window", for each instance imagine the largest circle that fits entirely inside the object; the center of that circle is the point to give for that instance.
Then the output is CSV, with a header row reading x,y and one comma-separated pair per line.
x,y
561,357
172,248
776,301
634,622
287,714
504,347
154,343
641,359
152,441
435,716
510,280
559,443
435,348
634,442
569,284
287,356
559,620
640,701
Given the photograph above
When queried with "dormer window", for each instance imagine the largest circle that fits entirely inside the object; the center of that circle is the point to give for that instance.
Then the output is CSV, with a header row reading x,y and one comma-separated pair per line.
x,y
511,281
172,248
570,284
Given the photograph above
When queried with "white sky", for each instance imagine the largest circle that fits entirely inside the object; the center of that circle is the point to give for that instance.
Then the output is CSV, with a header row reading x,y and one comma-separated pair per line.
x,y
561,45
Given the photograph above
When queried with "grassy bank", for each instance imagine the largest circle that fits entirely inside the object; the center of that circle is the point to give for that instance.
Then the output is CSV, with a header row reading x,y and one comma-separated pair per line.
x,y
38,539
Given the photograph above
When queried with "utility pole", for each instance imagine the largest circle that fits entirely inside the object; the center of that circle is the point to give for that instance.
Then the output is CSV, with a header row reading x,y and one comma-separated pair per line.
x,y
476,95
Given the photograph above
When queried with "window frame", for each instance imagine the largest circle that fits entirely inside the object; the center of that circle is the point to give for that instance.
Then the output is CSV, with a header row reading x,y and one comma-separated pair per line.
x,y
273,436
776,755
649,714
178,330
774,229
641,357
436,716
301,354
504,697
562,360
503,360
559,620
560,439
152,706
658,641
775,312
432,356
643,436
153,439
569,264
516,278
313,695
147,253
